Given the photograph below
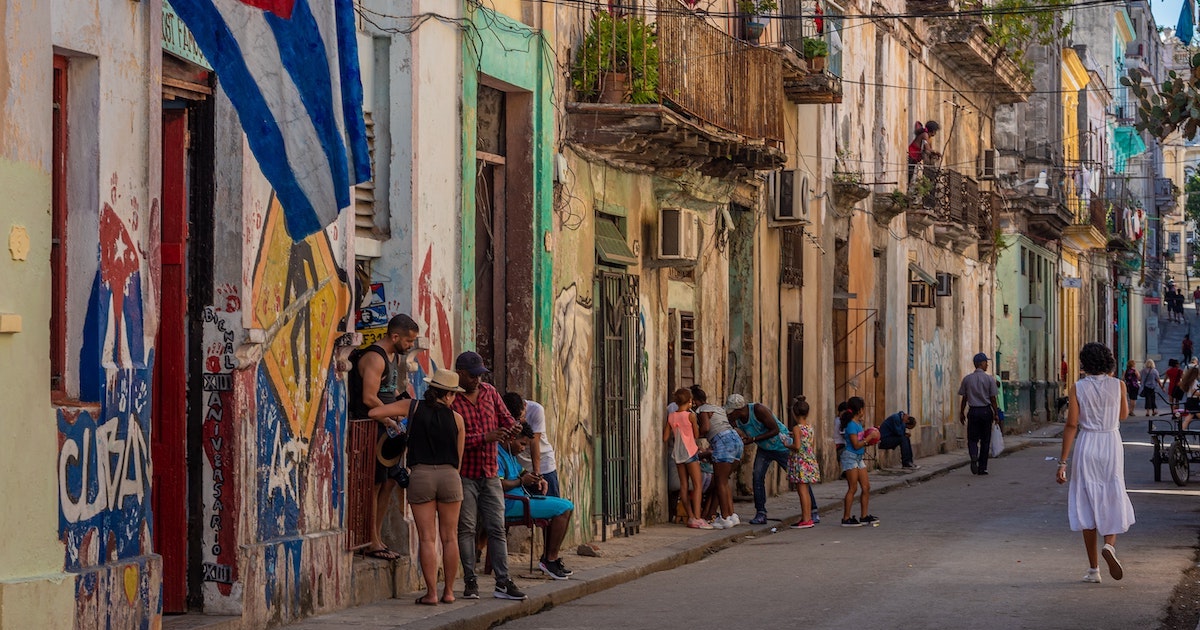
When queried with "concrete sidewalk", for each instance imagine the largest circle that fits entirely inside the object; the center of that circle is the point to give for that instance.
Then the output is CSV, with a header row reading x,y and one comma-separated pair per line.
x,y
656,548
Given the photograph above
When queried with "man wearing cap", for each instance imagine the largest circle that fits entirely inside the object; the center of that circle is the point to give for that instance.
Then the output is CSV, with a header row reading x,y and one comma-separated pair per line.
x,y
487,422
979,391
894,433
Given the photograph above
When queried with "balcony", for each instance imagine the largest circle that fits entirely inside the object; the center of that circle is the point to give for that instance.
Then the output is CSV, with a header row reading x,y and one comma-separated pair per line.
x,y
950,202
961,43
1089,231
808,79
696,97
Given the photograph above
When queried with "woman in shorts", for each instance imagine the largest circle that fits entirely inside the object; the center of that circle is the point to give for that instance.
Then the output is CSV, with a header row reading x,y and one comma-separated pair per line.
x,y
726,453
435,449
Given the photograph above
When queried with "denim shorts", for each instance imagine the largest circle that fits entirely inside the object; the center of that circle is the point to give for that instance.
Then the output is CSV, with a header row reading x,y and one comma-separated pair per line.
x,y
726,447
852,460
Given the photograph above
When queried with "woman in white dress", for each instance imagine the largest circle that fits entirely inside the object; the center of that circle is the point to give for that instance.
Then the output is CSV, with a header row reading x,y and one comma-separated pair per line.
x,y
1096,499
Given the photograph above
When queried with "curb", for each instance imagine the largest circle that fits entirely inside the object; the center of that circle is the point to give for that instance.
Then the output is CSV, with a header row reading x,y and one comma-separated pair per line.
x,y
485,615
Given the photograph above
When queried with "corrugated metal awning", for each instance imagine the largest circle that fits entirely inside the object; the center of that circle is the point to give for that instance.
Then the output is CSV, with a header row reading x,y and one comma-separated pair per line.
x,y
921,274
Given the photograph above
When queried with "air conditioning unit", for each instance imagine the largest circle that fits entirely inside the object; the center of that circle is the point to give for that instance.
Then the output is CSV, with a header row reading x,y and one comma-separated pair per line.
x,y
987,164
788,197
945,284
678,234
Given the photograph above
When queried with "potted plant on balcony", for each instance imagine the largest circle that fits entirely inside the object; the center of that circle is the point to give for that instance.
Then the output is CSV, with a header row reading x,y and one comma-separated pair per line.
x,y
815,52
756,20
618,61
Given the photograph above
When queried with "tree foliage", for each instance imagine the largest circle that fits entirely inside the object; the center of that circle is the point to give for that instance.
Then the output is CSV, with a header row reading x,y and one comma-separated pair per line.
x,y
1175,105
1017,24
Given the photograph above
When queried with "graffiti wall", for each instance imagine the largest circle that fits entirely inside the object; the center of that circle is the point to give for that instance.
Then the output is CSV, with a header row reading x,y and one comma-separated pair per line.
x,y
295,563
105,471
572,402
221,445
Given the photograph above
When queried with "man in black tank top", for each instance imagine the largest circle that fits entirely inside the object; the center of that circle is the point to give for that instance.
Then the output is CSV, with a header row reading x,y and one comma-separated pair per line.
x,y
384,379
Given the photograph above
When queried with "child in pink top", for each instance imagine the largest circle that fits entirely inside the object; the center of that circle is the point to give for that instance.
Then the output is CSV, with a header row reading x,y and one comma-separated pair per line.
x,y
683,427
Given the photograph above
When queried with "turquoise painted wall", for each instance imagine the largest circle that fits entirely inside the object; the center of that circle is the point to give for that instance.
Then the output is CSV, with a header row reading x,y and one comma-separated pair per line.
x,y
512,52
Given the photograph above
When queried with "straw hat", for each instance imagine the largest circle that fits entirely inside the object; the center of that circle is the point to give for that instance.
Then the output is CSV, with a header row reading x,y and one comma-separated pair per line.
x,y
444,380
389,450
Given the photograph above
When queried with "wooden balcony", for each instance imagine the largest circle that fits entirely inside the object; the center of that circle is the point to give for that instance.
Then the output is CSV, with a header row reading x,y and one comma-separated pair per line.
x,y
716,107
961,43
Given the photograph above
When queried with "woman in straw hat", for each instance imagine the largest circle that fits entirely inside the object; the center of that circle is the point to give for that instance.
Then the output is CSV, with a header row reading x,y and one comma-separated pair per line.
x,y
435,449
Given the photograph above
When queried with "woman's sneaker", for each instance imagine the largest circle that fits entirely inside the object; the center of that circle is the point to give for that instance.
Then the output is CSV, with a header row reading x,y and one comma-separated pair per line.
x,y
1114,565
869,520
851,522
1093,576
718,523
803,525
562,569
703,524
735,519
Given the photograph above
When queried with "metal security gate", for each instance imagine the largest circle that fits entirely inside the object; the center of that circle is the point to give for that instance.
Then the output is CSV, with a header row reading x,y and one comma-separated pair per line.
x,y
618,392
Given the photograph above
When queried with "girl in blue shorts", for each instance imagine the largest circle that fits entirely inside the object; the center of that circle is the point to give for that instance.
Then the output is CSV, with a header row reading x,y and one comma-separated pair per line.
x,y
854,468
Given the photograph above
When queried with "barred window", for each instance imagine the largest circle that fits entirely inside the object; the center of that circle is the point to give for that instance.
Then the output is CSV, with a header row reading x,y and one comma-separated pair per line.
x,y
791,259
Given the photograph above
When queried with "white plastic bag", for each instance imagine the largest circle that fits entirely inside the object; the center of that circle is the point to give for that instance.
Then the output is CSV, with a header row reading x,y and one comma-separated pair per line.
x,y
997,441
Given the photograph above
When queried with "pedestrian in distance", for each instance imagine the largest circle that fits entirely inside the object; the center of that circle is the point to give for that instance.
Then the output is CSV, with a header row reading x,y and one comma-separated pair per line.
x,y
756,424
435,449
803,469
1097,503
855,470
726,454
487,422
1133,382
1172,376
1186,347
978,391
539,457
1151,387
683,429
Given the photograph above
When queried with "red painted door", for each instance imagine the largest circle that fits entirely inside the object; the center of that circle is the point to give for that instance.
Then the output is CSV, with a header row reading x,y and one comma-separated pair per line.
x,y
169,432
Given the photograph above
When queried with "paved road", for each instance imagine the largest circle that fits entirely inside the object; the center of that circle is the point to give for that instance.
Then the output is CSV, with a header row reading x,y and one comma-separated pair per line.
x,y
957,551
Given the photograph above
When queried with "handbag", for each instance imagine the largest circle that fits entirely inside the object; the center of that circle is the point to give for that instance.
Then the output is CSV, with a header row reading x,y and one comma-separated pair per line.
x,y
1147,392
997,446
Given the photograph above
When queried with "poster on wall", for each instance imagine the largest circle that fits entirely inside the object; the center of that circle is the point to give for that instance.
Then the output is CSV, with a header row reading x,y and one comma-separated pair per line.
x,y
372,316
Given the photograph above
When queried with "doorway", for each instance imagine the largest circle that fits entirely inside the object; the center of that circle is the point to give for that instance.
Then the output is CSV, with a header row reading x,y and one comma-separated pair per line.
x,y
184,225
504,233
618,400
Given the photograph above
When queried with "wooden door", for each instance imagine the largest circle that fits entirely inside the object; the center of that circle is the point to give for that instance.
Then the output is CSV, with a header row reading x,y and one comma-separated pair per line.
x,y
169,425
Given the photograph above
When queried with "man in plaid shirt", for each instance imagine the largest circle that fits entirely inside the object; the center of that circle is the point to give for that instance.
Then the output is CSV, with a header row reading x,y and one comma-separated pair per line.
x,y
487,422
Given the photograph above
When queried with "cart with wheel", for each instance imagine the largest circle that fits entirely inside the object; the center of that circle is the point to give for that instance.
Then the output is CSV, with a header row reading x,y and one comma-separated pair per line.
x,y
1179,452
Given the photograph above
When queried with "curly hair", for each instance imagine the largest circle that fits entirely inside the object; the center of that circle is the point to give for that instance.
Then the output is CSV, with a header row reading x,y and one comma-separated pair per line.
x,y
1096,358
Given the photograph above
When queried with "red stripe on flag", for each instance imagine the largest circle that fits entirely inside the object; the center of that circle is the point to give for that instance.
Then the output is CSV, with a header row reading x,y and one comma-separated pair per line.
x,y
282,8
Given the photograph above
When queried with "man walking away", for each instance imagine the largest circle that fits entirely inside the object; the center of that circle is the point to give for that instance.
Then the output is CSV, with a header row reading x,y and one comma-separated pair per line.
x,y
979,391
487,422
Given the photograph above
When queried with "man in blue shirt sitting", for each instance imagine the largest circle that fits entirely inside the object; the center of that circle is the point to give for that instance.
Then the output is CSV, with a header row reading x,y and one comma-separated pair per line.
x,y
895,432
514,479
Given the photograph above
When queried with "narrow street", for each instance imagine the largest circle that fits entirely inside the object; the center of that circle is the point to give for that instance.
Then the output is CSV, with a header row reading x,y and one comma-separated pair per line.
x,y
957,551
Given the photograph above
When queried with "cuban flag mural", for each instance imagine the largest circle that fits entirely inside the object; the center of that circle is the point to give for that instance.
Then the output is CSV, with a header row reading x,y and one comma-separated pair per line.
x,y
290,68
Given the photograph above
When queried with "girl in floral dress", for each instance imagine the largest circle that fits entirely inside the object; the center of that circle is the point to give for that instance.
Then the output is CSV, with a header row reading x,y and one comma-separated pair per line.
x,y
802,462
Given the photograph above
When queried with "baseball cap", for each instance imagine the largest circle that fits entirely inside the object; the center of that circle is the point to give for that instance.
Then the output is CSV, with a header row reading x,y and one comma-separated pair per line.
x,y
980,358
471,362
735,402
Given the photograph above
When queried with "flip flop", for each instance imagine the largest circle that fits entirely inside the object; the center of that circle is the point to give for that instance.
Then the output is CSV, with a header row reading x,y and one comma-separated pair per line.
x,y
448,601
421,602
382,554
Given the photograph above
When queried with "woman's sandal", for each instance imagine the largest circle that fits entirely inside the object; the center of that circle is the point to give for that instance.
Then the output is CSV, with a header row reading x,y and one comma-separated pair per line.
x,y
382,554
421,602
448,601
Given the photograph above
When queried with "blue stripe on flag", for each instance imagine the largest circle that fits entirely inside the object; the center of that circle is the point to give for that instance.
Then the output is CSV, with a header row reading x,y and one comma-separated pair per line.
x,y
304,57
352,96
218,44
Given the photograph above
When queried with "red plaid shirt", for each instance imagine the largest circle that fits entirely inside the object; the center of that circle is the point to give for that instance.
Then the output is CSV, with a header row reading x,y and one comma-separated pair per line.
x,y
485,415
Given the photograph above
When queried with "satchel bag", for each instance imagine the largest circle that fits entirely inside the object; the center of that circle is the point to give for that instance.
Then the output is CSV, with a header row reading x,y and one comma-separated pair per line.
x,y
1147,392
